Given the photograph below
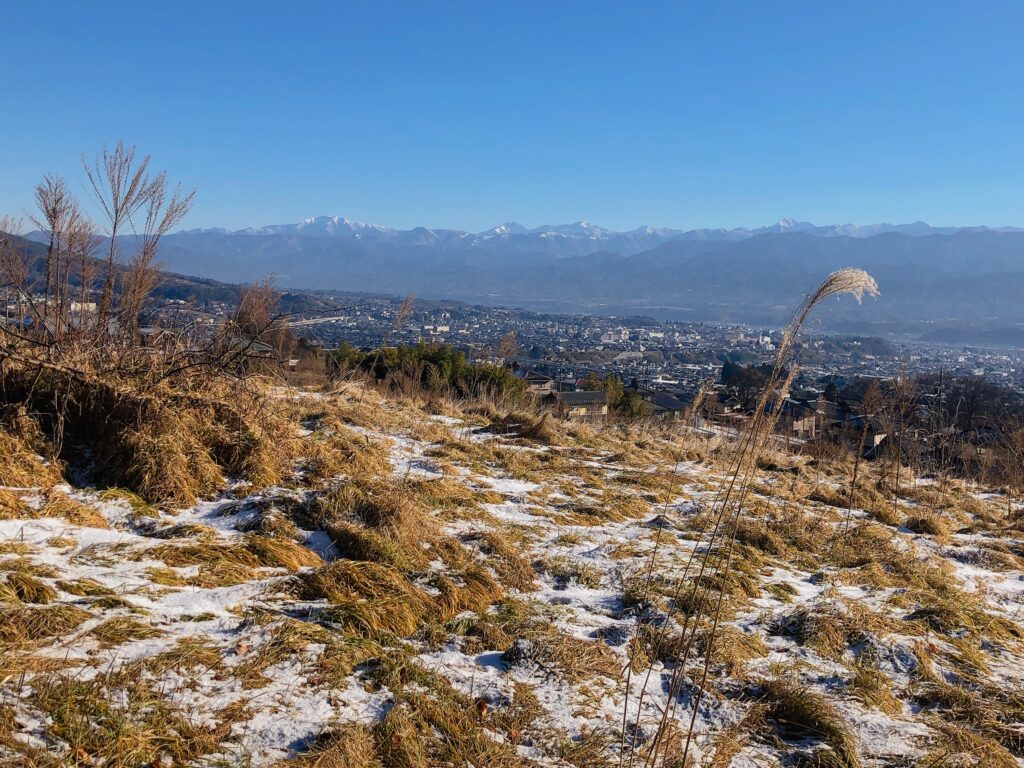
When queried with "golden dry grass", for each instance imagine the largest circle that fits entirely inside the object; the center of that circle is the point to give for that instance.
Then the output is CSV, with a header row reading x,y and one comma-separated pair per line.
x,y
11,506
365,597
120,721
281,553
348,746
22,467
29,624
122,629
29,589
502,555
793,706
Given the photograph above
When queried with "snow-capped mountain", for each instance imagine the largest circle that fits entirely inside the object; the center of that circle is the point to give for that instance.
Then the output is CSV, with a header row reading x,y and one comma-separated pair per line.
x,y
928,273
584,232
323,226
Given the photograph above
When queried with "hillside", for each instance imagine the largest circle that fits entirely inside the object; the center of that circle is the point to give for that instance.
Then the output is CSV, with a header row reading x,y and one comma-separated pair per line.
x,y
445,584
169,284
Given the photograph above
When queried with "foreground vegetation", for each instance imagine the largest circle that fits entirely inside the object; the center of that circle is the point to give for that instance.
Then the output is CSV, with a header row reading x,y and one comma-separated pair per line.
x,y
426,588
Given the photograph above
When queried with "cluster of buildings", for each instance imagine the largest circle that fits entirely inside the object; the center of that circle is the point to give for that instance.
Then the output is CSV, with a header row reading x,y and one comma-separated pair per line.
x,y
658,355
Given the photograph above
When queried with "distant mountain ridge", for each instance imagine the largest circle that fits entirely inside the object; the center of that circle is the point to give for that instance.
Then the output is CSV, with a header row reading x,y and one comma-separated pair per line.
x,y
931,278
593,234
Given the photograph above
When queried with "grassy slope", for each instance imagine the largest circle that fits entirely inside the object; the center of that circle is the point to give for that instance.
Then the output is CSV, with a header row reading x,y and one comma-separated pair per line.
x,y
357,615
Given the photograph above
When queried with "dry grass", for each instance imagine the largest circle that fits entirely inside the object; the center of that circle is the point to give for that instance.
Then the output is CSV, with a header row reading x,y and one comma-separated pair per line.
x,y
11,506
381,522
400,739
170,440
189,654
121,722
932,525
22,466
512,569
29,589
184,554
281,553
122,629
61,505
140,507
290,638
29,624
566,571
184,531
872,688
732,648
611,508
220,564
957,745
165,577
58,504
432,724
357,542
335,450
85,587
728,742
954,613
803,713
830,627
449,494
349,746
366,598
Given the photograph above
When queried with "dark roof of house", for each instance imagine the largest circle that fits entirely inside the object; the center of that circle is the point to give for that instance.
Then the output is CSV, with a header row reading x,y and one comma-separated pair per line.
x,y
537,377
792,408
663,401
855,421
582,397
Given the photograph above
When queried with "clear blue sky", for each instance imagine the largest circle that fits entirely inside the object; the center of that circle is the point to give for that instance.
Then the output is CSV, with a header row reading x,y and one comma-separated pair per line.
x,y
467,114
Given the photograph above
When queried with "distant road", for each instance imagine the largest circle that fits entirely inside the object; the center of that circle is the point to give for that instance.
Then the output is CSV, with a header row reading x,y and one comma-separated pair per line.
x,y
312,321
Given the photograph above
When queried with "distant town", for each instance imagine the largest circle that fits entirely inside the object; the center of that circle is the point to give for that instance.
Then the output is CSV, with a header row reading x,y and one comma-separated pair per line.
x,y
640,351
666,356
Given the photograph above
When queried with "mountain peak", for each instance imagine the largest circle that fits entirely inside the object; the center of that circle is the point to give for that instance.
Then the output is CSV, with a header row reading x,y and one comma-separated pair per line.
x,y
508,228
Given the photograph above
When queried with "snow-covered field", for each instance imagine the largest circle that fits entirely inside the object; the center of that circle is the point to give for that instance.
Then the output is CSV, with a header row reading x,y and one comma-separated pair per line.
x,y
524,601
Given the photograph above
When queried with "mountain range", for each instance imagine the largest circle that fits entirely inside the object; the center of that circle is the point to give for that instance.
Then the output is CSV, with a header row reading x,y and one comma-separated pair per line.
x,y
931,278
573,239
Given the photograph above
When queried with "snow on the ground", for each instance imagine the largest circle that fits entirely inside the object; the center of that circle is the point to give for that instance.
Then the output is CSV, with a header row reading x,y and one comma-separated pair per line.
x,y
289,709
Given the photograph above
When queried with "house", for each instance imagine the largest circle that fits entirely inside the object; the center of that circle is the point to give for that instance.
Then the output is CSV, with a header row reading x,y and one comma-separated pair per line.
x,y
538,383
722,404
853,429
797,418
250,348
582,404
663,405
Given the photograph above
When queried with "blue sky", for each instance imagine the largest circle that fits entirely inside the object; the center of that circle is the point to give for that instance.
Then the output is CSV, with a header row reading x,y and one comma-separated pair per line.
x,y
467,114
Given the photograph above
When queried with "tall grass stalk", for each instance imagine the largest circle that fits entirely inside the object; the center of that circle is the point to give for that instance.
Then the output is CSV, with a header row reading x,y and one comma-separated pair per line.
x,y
728,504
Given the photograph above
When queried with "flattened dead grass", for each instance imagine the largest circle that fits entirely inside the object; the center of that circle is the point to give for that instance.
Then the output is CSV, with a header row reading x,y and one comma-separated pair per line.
x,y
122,629
367,598
512,569
29,589
30,624
281,553
799,711
348,746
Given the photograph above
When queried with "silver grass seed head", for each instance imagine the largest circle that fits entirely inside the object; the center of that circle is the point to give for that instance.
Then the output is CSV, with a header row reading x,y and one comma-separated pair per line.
x,y
855,282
